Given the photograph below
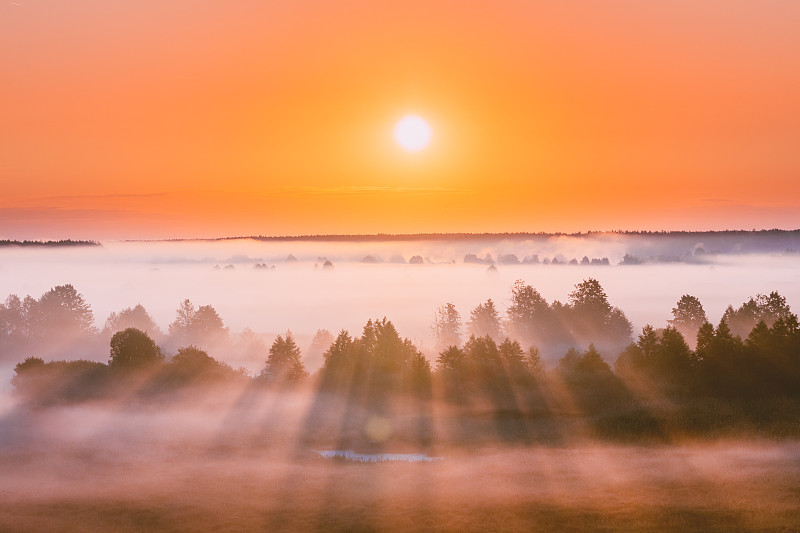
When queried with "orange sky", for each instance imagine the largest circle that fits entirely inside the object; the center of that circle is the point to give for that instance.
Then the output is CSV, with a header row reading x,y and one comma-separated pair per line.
x,y
187,118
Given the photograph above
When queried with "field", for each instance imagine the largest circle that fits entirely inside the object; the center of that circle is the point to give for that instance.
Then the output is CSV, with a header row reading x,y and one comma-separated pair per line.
x,y
156,471
725,487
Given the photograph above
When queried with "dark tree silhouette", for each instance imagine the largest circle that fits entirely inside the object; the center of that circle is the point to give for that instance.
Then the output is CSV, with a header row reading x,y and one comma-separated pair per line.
x,y
662,357
593,319
768,308
451,360
193,365
40,383
589,379
512,356
378,364
687,316
284,363
343,363
192,360
773,354
133,348
589,298
720,356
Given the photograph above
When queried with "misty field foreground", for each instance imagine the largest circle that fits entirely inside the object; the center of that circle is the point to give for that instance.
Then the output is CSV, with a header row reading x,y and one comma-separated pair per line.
x,y
726,487
218,465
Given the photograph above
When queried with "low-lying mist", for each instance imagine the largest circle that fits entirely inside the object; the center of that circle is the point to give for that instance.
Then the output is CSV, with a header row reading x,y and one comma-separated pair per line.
x,y
237,278
239,462
673,436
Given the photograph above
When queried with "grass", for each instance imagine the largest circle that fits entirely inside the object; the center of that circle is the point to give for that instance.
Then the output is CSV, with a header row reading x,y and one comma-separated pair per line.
x,y
734,486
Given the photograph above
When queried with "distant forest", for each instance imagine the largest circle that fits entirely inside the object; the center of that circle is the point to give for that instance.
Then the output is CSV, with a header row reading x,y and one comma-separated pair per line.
x,y
48,244
717,241
689,376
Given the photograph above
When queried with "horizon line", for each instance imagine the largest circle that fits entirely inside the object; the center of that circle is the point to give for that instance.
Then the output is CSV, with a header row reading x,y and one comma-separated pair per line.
x,y
458,235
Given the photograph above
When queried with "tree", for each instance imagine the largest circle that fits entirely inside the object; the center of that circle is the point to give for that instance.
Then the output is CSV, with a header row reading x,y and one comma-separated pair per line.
x,y
284,363
378,364
590,299
201,325
485,320
768,308
61,312
688,315
534,361
773,356
617,327
193,364
417,375
184,320
512,355
133,348
648,342
720,357
136,317
528,316
13,324
589,378
338,350
192,359
343,363
593,318
451,360
447,326
390,353
674,360
208,323
483,359
568,363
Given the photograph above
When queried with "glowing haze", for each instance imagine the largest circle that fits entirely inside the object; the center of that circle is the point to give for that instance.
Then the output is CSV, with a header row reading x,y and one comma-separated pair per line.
x,y
199,118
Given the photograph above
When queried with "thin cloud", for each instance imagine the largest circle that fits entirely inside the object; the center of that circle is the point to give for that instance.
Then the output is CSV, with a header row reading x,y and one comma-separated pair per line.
x,y
719,201
366,191
110,196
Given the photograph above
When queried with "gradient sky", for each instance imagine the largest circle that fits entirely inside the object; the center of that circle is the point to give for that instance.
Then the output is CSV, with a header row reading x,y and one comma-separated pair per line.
x,y
187,118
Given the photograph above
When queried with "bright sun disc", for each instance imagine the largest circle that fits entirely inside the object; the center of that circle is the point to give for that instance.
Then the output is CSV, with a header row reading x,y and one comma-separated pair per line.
x,y
412,133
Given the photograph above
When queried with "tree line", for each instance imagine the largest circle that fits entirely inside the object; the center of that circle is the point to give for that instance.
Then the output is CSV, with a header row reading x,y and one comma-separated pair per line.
x,y
754,352
48,244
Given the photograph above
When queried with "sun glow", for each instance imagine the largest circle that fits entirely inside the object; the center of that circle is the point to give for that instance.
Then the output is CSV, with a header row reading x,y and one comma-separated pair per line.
x,y
413,133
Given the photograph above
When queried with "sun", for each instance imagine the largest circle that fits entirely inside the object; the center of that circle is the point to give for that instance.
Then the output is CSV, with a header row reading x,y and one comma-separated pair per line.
x,y
412,133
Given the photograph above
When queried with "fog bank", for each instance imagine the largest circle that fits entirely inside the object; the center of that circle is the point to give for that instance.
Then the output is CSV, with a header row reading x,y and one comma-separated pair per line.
x,y
251,284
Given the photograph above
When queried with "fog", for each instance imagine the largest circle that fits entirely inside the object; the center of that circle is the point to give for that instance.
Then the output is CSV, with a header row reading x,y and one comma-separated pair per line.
x,y
90,448
300,297
303,296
